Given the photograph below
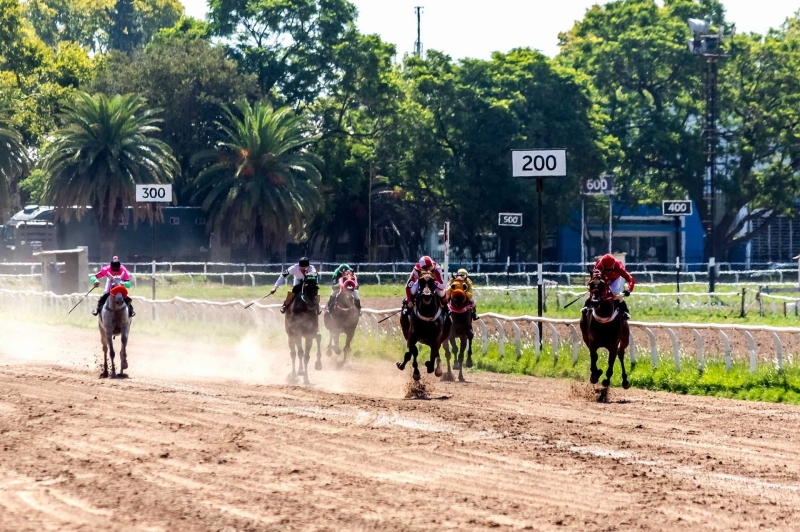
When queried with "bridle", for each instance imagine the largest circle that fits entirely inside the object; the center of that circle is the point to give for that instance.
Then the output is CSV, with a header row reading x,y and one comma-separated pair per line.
x,y
431,298
307,283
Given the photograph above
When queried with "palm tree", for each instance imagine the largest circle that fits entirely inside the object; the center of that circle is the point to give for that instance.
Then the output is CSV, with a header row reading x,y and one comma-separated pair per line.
x,y
14,160
106,147
259,184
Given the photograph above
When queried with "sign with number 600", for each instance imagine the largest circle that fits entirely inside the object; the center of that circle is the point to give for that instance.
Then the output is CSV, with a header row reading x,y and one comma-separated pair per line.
x,y
153,193
676,207
598,185
510,219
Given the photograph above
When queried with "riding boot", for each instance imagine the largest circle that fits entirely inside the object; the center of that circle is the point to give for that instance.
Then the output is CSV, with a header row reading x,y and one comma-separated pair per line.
x,y
358,306
129,302
475,312
623,307
330,302
100,303
287,302
586,307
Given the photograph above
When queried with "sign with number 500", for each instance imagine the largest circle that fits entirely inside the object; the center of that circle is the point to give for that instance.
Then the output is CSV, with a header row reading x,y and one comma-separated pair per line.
x,y
510,219
154,193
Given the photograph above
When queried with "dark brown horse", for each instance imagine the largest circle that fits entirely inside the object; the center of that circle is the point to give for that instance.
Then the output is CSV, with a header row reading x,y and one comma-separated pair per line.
x,y
603,326
425,322
461,315
302,323
342,318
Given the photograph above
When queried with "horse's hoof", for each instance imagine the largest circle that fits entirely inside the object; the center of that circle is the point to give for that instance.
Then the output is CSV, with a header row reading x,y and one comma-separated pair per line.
x,y
122,375
606,383
429,366
125,365
626,385
448,377
595,376
401,366
461,378
318,365
329,353
469,362
291,379
456,366
113,374
416,375
104,375
438,371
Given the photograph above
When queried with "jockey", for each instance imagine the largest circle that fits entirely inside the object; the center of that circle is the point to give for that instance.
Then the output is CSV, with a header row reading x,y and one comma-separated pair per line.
x,y
616,275
338,273
463,275
425,265
299,270
115,269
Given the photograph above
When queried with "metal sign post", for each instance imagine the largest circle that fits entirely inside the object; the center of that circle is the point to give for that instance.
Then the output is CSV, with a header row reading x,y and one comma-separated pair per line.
x,y
597,186
677,209
539,164
154,194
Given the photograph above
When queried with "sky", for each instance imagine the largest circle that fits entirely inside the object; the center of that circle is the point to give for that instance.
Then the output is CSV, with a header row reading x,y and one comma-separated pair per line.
x,y
473,28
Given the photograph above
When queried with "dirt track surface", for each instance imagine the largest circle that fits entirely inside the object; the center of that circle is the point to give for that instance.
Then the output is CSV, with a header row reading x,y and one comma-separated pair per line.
x,y
170,449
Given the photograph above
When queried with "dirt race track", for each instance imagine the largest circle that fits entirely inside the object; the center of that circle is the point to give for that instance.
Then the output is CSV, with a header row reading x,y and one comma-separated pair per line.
x,y
203,438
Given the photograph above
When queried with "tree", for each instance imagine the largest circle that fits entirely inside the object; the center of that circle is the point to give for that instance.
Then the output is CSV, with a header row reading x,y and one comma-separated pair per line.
x,y
481,110
106,147
80,21
124,33
14,159
259,184
190,79
760,103
288,44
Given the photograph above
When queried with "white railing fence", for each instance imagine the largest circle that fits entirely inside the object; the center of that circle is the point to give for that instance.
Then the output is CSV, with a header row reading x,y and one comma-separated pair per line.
x,y
677,342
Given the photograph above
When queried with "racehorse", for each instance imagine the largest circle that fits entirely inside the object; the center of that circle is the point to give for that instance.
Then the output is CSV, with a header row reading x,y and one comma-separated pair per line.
x,y
461,316
302,323
426,323
113,321
342,318
603,326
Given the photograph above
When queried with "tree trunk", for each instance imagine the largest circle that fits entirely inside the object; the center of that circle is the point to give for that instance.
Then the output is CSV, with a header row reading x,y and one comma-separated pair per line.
x,y
108,236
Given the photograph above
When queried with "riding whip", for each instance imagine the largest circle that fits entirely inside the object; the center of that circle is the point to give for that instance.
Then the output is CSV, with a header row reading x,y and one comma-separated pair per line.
x,y
254,302
390,315
573,301
79,302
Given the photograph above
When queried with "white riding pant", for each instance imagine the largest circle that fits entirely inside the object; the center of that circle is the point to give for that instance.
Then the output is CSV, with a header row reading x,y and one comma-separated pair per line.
x,y
617,286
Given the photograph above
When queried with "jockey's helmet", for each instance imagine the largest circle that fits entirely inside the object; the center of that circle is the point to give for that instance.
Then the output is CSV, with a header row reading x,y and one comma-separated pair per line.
x,y
462,273
115,264
304,262
425,263
608,262
345,268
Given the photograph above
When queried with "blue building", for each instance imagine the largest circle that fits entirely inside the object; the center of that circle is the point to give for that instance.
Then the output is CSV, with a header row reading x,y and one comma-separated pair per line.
x,y
642,233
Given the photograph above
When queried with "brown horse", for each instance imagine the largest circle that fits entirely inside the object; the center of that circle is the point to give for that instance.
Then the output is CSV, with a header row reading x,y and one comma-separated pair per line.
x,y
461,315
302,323
342,318
603,326
426,322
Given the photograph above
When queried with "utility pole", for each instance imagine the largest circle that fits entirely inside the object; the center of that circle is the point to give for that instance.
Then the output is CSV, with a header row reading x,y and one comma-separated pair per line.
x,y
369,212
418,43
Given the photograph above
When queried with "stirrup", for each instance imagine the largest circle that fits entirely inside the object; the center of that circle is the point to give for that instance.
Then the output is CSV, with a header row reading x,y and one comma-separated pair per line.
x,y
283,309
95,312
131,314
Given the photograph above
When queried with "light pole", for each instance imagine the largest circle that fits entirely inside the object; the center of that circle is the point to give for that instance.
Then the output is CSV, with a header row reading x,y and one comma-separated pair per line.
x,y
707,45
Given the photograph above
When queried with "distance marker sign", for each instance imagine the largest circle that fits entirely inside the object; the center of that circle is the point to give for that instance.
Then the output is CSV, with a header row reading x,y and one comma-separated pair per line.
x,y
509,219
154,193
676,208
539,163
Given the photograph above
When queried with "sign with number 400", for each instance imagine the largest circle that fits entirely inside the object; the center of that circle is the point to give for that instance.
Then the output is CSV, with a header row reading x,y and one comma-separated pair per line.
x,y
676,208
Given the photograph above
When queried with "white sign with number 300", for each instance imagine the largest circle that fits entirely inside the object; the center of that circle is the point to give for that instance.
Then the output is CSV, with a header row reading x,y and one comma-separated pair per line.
x,y
154,193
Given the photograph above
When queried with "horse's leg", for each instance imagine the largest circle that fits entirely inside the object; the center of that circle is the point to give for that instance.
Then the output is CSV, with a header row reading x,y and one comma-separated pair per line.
x,y
464,343
454,349
110,340
123,352
348,339
434,365
625,382
595,372
104,342
318,365
336,348
414,353
411,346
292,351
329,352
309,345
448,376
470,336
612,357
624,342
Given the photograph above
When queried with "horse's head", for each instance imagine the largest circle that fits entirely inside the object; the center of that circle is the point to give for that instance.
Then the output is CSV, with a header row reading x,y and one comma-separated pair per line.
x,y
345,299
458,292
427,288
118,293
598,287
310,290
